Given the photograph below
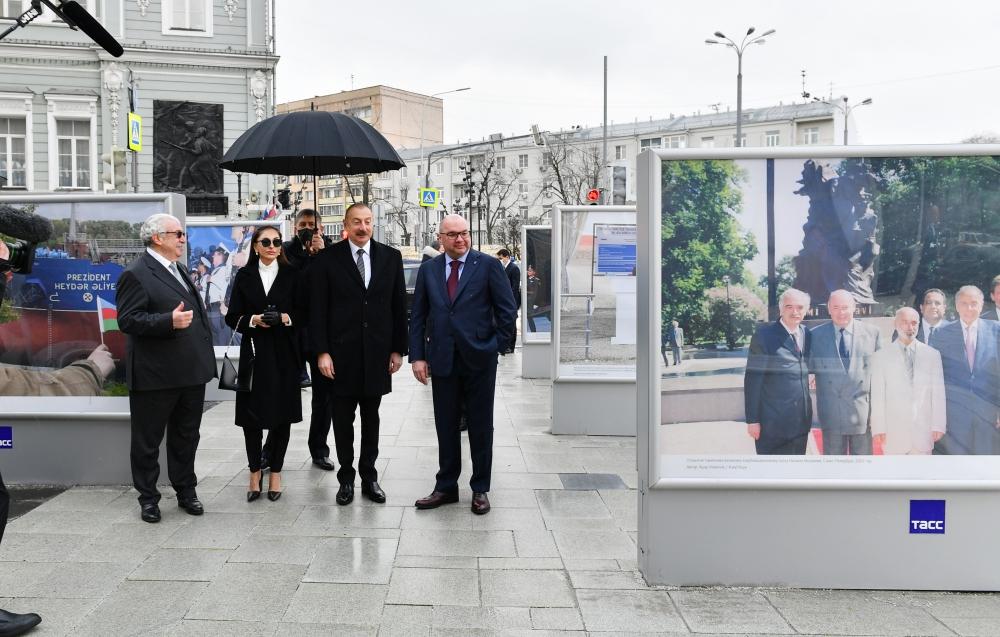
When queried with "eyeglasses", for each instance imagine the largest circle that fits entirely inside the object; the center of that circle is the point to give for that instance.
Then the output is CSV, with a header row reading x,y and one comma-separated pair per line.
x,y
267,243
177,233
454,235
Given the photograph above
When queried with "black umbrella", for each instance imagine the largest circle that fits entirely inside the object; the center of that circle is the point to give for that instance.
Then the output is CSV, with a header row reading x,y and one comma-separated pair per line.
x,y
311,143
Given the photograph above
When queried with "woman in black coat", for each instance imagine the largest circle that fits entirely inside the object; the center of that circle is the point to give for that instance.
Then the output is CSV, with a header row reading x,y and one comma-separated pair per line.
x,y
262,309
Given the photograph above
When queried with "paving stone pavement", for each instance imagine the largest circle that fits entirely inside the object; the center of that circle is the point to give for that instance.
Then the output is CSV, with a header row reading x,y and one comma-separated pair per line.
x,y
556,556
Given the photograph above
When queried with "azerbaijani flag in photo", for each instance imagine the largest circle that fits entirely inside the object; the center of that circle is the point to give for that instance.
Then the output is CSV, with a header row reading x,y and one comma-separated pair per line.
x,y
107,315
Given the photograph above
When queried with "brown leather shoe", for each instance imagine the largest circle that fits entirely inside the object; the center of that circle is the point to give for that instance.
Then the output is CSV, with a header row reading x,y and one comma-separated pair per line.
x,y
480,504
436,499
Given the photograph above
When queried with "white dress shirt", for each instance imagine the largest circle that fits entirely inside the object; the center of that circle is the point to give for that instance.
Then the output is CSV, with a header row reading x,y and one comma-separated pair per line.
x,y
267,274
447,265
165,262
365,258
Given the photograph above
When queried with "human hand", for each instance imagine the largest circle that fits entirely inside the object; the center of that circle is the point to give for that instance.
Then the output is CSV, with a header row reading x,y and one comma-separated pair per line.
x,y
182,319
325,365
317,243
812,382
878,439
4,251
421,371
754,430
285,319
937,435
395,362
101,356
257,320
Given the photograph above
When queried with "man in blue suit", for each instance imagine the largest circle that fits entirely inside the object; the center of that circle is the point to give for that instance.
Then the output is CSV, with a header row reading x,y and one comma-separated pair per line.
x,y
969,357
462,318
776,383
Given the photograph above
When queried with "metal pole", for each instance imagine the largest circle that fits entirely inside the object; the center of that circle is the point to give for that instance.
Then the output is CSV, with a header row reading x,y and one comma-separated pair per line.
x,y
847,113
604,146
739,99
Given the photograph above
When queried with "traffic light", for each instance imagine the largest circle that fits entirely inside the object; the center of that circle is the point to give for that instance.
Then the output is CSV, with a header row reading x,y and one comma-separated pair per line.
x,y
593,196
113,170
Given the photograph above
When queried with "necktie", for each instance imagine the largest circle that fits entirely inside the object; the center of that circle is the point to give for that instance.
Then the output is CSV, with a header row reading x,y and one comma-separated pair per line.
x,y
970,348
930,333
361,265
845,355
177,275
909,363
795,343
453,279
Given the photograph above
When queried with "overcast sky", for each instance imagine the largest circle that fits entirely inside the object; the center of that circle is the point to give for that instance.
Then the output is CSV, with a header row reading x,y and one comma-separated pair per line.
x,y
931,68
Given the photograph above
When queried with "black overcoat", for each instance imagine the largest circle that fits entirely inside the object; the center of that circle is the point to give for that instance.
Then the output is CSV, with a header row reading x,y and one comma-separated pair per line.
x,y
275,398
358,327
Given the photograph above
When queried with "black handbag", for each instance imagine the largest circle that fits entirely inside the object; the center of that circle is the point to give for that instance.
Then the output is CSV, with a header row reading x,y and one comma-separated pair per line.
x,y
234,379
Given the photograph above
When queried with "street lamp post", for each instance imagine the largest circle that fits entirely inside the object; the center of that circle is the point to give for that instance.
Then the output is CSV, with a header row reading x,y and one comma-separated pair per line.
x,y
845,109
425,213
739,49
730,343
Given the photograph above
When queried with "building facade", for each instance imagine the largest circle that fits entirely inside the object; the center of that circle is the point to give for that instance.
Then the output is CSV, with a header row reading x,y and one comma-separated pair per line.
x,y
198,72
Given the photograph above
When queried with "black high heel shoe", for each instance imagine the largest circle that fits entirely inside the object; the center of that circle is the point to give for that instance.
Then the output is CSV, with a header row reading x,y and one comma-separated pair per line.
x,y
253,495
272,495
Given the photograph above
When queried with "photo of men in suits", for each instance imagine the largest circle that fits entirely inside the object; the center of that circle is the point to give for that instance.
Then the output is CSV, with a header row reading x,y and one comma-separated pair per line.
x,y
932,311
840,359
358,327
993,313
169,358
908,413
462,318
969,357
776,383
676,341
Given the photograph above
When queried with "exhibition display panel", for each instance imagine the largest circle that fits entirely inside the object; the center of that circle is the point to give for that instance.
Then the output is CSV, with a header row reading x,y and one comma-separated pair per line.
x,y
536,302
832,420
594,320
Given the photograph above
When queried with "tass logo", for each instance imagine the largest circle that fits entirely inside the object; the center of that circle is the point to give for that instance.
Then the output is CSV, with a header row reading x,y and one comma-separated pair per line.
x,y
6,437
927,516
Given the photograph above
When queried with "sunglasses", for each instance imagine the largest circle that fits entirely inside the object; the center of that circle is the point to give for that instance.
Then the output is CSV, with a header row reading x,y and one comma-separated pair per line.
x,y
267,243
177,233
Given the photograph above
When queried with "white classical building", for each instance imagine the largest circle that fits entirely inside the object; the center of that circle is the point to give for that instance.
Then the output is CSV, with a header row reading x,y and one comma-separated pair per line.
x,y
527,174
64,101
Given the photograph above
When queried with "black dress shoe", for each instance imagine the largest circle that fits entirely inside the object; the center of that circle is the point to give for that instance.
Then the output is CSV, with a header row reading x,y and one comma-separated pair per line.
x,y
17,624
192,505
436,499
373,492
345,495
273,495
480,504
253,495
323,463
150,513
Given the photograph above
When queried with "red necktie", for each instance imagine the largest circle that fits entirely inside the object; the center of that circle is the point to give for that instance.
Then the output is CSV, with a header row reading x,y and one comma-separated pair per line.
x,y
453,280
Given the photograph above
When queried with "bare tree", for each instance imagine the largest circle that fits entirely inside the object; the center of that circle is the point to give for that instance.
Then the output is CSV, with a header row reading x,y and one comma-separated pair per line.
x,y
397,207
575,168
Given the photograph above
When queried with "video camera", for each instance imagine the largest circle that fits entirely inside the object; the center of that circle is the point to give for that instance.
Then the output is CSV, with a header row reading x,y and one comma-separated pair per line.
x,y
27,230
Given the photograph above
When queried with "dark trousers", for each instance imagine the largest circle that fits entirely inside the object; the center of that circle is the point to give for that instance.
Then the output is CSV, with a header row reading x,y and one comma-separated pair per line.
x,y
474,388
4,507
513,339
178,412
277,444
784,447
677,354
322,412
343,434
835,444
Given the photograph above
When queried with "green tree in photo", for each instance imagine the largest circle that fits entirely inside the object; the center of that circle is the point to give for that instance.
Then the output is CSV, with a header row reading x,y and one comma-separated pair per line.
x,y
702,238
742,307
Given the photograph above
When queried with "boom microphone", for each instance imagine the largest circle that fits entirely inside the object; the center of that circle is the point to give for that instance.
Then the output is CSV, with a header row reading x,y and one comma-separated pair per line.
x,y
78,15
24,225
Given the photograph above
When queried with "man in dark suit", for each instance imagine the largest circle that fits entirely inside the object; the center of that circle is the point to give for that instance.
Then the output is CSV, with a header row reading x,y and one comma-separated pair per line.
x,y
463,316
358,326
169,358
840,357
993,313
969,358
514,276
776,383
302,255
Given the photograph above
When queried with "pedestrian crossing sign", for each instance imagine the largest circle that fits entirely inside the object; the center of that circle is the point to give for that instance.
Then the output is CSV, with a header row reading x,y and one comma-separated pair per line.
x,y
134,132
428,197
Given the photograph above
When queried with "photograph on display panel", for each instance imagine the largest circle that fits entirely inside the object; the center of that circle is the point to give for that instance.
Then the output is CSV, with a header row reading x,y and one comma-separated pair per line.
x,y
59,332
839,308
538,283
597,302
216,252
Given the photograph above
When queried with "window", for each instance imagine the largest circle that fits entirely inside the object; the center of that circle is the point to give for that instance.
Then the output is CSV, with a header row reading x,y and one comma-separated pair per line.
x,y
458,192
187,17
402,173
620,152
439,168
743,140
11,9
810,135
522,161
522,188
332,210
523,211
13,158
362,112
420,170
307,179
651,142
772,138
708,142
333,229
501,163
356,192
307,194
676,141
73,143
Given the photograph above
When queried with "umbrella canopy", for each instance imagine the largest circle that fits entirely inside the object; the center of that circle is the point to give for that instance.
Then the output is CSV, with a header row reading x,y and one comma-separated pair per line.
x,y
311,143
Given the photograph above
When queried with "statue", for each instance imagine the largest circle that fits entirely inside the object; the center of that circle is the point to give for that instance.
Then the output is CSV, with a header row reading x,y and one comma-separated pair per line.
x,y
838,246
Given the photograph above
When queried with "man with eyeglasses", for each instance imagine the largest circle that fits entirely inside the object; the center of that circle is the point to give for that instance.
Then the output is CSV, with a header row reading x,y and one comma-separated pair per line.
x,y
462,319
169,358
